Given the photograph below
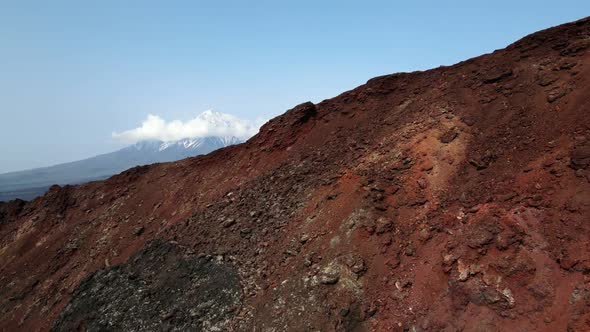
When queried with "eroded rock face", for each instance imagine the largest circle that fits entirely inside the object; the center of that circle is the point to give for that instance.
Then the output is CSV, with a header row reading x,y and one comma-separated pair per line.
x,y
580,157
160,288
10,210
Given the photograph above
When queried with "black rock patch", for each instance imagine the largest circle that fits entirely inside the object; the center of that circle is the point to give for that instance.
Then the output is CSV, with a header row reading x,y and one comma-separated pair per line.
x,y
161,288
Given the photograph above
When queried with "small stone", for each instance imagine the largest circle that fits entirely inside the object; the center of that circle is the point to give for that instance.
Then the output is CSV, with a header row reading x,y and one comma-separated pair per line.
x,y
330,275
567,65
427,166
496,75
138,230
469,121
344,312
479,165
331,197
229,223
329,279
463,270
474,209
507,197
406,283
377,189
425,235
304,238
555,94
356,264
371,311
546,79
383,225
580,155
508,296
167,315
449,136
422,183
449,259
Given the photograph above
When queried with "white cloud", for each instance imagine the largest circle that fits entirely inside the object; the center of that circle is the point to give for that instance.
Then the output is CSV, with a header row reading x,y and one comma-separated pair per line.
x,y
208,123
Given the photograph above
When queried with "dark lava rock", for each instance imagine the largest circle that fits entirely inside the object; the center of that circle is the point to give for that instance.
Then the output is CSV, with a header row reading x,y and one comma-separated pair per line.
x,y
481,234
546,78
555,94
304,112
580,156
449,136
576,47
497,75
158,289
138,230
484,161
10,210
229,223
477,292
330,275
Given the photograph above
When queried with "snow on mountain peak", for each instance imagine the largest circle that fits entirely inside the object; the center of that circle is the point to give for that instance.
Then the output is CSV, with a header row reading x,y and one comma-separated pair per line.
x,y
210,115
187,143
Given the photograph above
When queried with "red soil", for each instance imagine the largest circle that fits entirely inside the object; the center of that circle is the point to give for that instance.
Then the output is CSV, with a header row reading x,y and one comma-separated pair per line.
x,y
455,199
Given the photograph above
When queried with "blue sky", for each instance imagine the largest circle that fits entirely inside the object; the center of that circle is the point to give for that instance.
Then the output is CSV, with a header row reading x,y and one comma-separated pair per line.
x,y
74,72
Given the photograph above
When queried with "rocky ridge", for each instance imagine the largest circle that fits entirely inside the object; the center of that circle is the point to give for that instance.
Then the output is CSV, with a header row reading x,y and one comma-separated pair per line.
x,y
454,199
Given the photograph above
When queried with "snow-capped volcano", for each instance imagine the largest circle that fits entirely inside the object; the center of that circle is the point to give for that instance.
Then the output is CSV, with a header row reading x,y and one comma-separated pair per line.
x,y
196,143
31,183
156,140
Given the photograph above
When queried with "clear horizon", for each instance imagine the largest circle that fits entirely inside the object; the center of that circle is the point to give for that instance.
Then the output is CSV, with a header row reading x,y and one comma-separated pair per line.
x,y
73,74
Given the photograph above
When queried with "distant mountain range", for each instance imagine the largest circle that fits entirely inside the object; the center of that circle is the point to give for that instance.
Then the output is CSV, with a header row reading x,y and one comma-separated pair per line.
x,y
32,183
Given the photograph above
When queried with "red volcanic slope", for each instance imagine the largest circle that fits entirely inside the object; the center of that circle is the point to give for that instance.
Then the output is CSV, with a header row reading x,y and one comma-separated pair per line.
x,y
454,199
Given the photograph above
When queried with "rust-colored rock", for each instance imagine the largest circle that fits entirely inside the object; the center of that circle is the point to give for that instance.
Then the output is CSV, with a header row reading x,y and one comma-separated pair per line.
x,y
580,157
454,199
